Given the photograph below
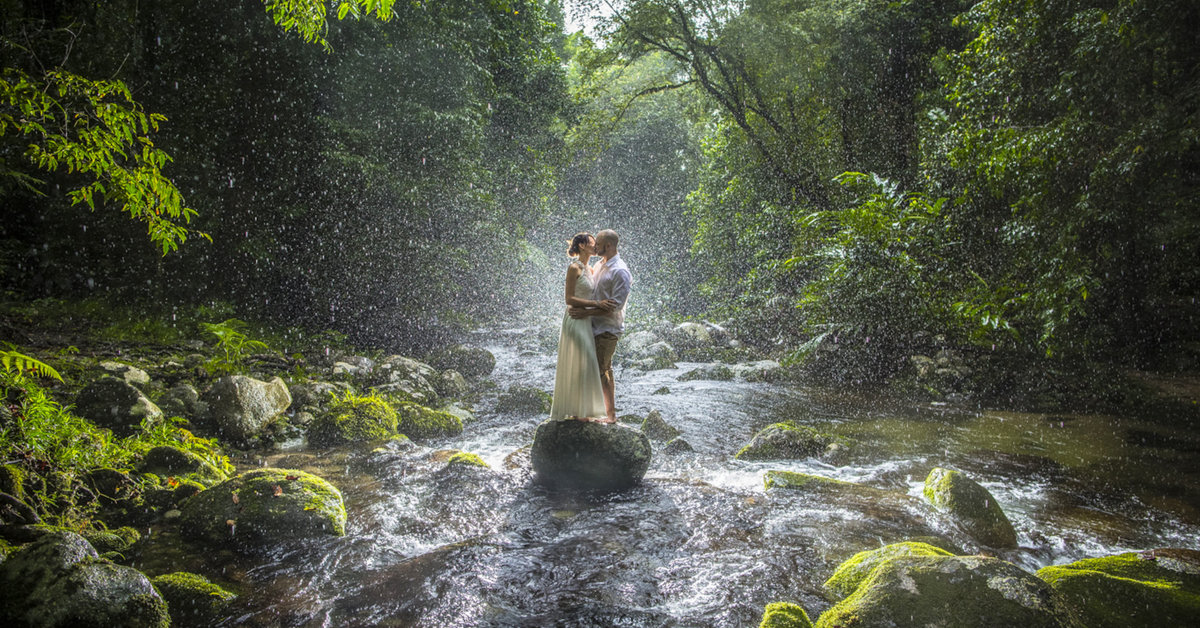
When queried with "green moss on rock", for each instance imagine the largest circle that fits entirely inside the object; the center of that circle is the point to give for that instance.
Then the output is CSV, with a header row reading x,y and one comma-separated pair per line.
x,y
191,598
971,506
950,591
786,441
354,418
1159,588
784,615
466,459
168,461
417,421
12,480
116,540
852,572
794,480
524,400
265,506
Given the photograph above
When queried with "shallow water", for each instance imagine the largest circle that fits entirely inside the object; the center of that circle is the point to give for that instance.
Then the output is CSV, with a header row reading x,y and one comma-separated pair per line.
x,y
699,543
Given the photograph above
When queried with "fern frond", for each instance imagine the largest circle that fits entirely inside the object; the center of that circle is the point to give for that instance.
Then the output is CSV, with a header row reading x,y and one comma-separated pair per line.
x,y
20,363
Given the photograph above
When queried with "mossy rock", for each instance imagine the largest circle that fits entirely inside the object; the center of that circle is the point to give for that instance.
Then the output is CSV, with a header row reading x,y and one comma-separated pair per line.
x,y
470,361
971,506
950,592
590,456
115,404
784,615
354,419
1159,588
804,481
852,572
655,428
168,461
191,598
59,580
524,400
466,459
263,507
787,441
417,421
115,540
12,480
713,372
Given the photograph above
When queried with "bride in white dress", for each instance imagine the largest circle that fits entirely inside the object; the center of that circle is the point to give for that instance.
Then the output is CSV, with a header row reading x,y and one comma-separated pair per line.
x,y
577,379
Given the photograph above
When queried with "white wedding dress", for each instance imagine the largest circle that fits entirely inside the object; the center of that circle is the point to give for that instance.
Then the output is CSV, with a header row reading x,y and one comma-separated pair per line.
x,y
577,379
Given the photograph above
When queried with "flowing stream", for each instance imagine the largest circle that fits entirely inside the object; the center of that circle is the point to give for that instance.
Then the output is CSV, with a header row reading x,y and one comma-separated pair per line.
x,y
700,542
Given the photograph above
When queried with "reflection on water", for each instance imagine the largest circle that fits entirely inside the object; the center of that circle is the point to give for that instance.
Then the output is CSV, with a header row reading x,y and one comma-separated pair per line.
x,y
700,543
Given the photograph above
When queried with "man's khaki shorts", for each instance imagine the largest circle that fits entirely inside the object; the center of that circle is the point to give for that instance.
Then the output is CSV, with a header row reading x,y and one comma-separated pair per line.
x,y
606,346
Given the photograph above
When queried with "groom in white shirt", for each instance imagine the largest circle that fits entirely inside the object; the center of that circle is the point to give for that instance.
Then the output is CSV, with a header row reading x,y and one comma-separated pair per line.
x,y
613,282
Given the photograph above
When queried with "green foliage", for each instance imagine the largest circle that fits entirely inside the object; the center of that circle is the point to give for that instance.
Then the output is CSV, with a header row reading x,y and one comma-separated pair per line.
x,y
309,18
95,128
353,417
16,363
233,343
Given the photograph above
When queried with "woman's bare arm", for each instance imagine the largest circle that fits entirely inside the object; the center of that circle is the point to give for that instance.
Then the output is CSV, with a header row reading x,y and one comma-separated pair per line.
x,y
573,273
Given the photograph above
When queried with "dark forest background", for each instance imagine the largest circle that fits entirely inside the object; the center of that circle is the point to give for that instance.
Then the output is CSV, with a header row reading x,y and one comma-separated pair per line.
x,y
1008,176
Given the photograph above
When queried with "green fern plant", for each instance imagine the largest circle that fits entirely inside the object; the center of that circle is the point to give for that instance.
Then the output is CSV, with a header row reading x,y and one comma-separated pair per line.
x,y
233,343
19,363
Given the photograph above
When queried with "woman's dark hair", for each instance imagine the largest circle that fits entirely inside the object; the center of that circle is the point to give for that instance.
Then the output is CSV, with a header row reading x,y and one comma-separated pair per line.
x,y
580,238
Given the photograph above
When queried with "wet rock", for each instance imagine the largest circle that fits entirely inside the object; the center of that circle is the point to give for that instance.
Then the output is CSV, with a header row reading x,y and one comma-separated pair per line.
x,y
1154,588
677,446
16,512
786,441
168,461
784,615
264,507
132,375
115,540
853,571
470,361
459,410
662,391
637,344
971,506
655,363
691,335
655,428
111,484
115,404
240,407
525,400
466,459
587,455
60,580
417,421
192,599
760,371
353,419
712,372
792,480
181,400
953,592
452,384
315,395
405,377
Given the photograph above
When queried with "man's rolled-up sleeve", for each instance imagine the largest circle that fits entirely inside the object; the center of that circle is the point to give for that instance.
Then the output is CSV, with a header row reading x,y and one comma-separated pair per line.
x,y
622,281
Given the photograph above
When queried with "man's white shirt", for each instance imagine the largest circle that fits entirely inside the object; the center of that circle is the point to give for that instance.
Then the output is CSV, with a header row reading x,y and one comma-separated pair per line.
x,y
613,281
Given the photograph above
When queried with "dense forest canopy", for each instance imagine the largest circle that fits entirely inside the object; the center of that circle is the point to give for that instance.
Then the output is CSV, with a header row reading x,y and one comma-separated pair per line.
x,y
1015,176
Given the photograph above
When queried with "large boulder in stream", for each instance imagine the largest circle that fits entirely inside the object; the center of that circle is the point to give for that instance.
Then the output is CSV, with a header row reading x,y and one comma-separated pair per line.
x,y
971,506
851,573
60,580
470,361
265,506
787,441
950,592
1154,588
588,455
240,407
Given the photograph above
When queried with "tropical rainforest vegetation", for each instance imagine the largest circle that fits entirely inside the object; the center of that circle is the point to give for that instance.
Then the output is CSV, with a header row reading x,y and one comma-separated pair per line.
x,y
1012,176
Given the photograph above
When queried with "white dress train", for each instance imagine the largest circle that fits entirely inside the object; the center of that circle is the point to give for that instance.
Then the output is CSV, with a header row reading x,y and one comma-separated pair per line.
x,y
577,378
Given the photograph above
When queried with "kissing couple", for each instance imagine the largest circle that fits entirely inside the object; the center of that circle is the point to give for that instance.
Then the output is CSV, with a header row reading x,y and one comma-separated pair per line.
x,y
596,295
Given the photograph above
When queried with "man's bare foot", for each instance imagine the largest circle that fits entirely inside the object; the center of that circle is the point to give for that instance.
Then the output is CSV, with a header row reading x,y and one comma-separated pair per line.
x,y
607,419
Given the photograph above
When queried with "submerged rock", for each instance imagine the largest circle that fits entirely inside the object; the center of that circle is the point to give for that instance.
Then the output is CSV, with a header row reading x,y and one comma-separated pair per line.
x,y
587,455
240,407
417,421
60,580
677,445
951,592
786,441
265,506
1154,588
714,372
656,428
971,506
115,404
524,400
851,573
470,361
784,615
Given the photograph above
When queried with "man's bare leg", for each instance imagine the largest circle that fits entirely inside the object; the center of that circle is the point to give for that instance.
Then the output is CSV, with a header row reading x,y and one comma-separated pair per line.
x,y
608,390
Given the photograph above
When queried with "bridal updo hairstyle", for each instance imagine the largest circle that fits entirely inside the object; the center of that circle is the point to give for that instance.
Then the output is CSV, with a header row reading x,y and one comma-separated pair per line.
x,y
580,238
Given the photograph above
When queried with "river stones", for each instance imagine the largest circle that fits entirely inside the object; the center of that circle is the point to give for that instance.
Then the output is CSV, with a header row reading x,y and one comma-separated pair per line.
x,y
587,455
417,421
168,461
851,573
193,600
470,361
656,428
951,592
524,400
115,404
354,418
265,506
1154,588
407,378
971,506
60,580
240,406
784,615
786,441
